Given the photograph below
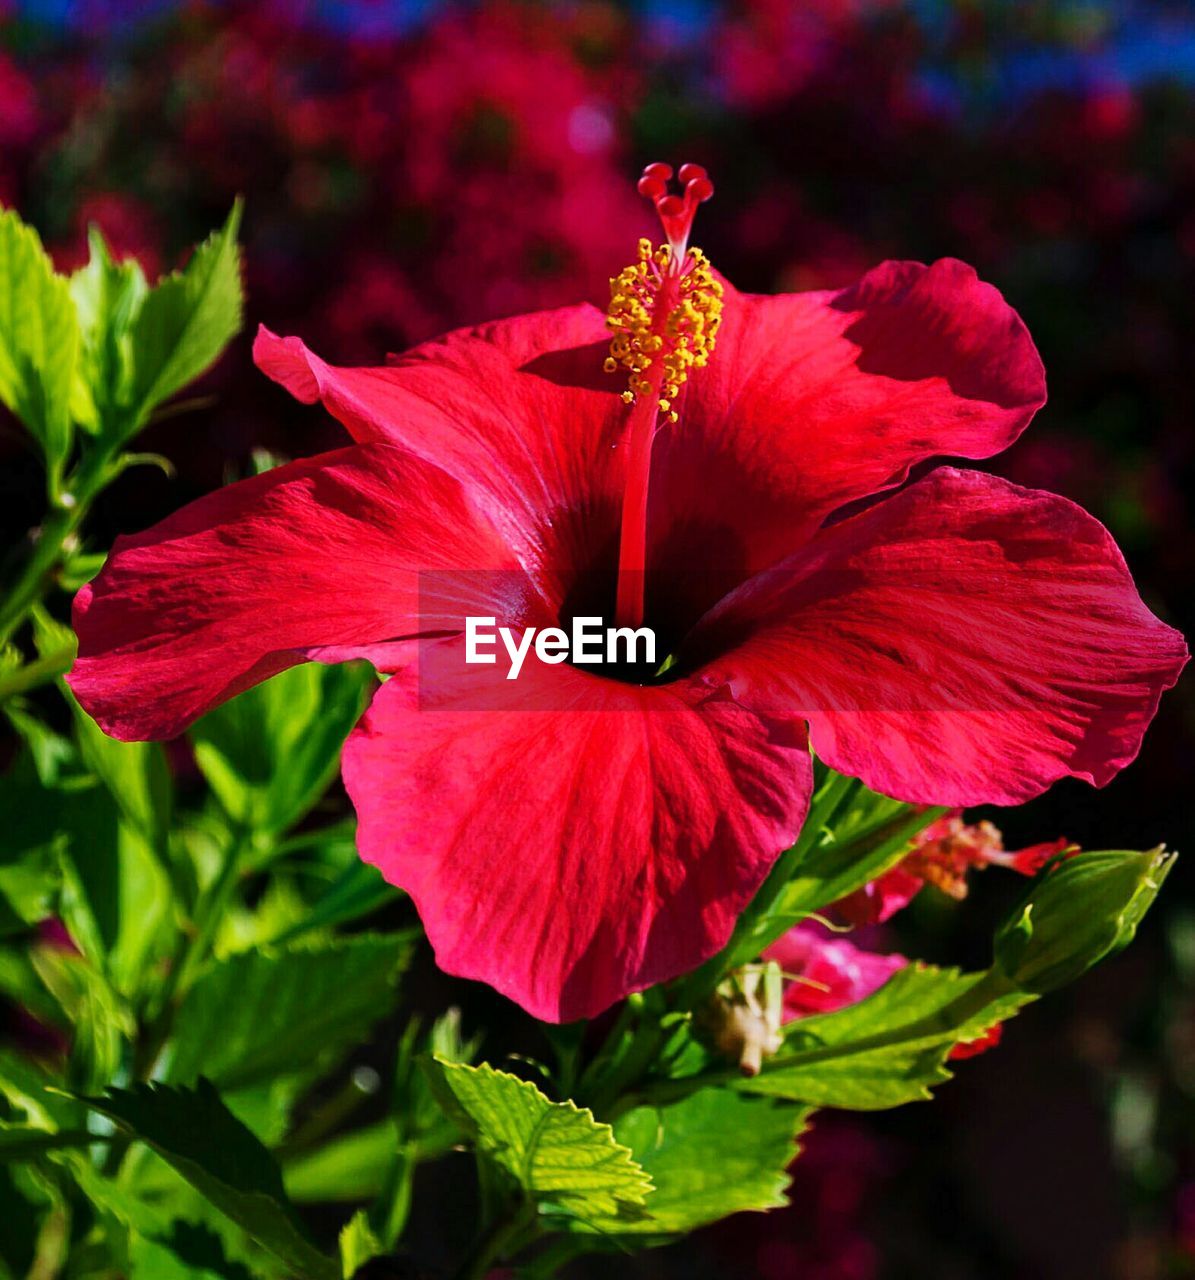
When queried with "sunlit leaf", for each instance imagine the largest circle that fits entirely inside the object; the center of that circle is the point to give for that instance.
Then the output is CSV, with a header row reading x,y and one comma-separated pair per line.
x,y
108,296
187,319
554,1151
39,339
713,1153
358,1244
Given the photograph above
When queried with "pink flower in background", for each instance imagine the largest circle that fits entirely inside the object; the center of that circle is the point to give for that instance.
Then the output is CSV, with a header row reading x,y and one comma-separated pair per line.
x,y
827,972
20,117
942,855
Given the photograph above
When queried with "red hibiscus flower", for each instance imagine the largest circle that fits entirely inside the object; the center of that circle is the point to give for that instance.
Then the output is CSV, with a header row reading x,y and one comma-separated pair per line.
x,y
942,855
827,973
569,837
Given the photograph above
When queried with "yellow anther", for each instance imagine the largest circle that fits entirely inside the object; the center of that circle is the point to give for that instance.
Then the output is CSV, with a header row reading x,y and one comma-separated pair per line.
x,y
682,338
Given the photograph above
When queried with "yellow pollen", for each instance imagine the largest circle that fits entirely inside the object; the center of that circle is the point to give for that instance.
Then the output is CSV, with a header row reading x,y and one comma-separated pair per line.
x,y
682,339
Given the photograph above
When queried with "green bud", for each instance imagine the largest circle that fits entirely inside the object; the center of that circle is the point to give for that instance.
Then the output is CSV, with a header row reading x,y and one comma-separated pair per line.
x,y
1077,912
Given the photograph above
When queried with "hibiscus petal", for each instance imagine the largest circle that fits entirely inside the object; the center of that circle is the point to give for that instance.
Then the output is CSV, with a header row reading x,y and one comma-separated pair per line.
x,y
965,641
814,400
827,973
254,578
518,410
573,839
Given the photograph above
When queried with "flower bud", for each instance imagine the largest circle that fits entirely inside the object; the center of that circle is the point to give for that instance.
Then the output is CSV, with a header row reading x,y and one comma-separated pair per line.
x,y
1077,913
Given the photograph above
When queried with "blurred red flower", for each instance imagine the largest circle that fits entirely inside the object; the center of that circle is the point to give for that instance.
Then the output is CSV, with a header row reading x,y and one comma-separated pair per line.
x,y
942,855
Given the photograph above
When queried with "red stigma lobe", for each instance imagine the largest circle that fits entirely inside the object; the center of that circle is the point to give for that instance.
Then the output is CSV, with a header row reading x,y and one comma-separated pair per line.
x,y
676,212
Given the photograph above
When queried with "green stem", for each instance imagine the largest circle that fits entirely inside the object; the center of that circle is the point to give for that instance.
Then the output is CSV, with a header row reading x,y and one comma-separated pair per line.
x,y
327,1116
37,673
506,1236
191,950
558,1253
389,1212
90,477
210,909
630,1068
612,1047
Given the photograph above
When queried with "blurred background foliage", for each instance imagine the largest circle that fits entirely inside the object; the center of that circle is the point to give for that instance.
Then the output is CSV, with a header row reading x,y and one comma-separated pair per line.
x,y
408,167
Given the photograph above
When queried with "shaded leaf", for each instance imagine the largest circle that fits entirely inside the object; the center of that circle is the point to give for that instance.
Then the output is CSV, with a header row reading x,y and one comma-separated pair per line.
x,y
19,1142
135,773
99,1019
196,1134
357,891
260,1014
189,1251
350,1167
159,1245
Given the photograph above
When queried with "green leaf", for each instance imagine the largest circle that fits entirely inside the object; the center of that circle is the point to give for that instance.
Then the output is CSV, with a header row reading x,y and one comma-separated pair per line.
x,y
195,1133
19,1142
555,1151
358,891
20,984
116,864
848,856
27,891
159,1245
261,1014
358,1244
100,1020
29,842
24,1197
187,319
350,1167
713,1153
108,296
1077,913
39,340
890,1048
135,773
189,1252
270,753
24,1094
115,899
